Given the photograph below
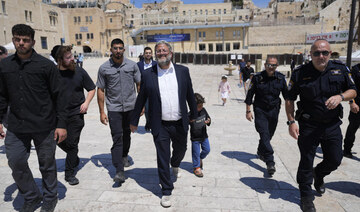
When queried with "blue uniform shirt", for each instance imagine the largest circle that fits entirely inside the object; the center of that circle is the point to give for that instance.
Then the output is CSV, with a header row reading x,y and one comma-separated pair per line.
x,y
266,90
315,87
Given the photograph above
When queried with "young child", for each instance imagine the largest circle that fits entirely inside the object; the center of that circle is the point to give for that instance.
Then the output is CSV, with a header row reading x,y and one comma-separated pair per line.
x,y
224,88
199,137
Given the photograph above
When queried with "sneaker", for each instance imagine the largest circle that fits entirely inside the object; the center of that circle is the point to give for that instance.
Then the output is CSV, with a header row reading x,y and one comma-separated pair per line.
x,y
31,206
271,169
126,162
72,180
318,183
49,206
307,205
198,172
165,201
176,173
347,154
119,177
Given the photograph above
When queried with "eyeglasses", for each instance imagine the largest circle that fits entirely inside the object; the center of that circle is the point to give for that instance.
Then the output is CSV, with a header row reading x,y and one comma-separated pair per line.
x,y
118,48
161,51
324,53
271,65
25,40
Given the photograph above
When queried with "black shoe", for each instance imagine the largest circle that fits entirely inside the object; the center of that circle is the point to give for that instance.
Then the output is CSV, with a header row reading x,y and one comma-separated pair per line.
x,y
126,161
49,206
72,180
271,169
318,183
119,177
347,154
307,205
260,156
31,206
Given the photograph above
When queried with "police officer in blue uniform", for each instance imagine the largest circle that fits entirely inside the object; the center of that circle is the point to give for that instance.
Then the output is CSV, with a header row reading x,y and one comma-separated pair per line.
x,y
354,116
266,86
321,85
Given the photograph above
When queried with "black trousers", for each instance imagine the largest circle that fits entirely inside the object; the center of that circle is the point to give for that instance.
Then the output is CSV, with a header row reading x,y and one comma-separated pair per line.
x,y
120,132
354,124
70,145
175,132
265,124
311,135
18,151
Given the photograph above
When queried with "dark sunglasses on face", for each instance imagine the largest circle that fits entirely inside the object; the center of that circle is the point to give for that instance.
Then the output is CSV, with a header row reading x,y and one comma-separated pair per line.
x,y
271,65
324,53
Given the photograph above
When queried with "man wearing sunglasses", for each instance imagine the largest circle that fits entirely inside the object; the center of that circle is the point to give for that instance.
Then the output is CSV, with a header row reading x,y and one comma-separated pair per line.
x,y
321,85
31,85
266,86
116,81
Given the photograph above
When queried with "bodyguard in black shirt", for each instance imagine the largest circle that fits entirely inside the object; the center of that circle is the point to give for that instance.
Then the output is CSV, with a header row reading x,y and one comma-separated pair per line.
x,y
31,85
266,86
75,79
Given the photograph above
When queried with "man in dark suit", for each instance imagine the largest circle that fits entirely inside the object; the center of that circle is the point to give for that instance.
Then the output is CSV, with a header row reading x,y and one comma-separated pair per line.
x,y
167,87
145,64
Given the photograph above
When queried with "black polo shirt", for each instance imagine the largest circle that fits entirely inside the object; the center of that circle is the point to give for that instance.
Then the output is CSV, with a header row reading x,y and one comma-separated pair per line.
x,y
75,82
34,92
246,72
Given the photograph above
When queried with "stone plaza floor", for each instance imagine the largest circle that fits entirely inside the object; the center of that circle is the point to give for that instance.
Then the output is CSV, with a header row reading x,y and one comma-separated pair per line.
x,y
234,178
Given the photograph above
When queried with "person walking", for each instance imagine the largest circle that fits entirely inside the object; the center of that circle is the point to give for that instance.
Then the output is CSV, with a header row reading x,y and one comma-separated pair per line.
x,y
199,137
168,88
322,85
31,85
117,79
354,115
75,80
266,86
146,64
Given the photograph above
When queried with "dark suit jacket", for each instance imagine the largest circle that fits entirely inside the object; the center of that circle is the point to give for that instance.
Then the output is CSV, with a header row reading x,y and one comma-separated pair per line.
x,y
149,89
141,65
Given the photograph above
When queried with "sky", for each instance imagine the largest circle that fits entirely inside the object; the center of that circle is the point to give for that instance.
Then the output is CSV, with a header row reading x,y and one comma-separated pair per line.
x,y
258,3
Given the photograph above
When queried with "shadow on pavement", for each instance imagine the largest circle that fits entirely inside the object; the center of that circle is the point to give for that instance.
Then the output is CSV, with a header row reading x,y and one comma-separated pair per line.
x,y
274,188
60,164
187,166
18,200
104,160
246,158
147,178
141,130
345,187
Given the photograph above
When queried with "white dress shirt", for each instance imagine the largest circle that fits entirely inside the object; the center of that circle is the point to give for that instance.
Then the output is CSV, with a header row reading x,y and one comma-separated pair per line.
x,y
146,66
168,87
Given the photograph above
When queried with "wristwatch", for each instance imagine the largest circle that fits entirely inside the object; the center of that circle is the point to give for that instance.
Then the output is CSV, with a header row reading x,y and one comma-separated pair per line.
x,y
290,122
351,101
342,97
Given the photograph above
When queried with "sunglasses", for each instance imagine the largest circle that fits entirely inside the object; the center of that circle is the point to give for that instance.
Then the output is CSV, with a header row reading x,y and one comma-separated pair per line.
x,y
271,65
324,53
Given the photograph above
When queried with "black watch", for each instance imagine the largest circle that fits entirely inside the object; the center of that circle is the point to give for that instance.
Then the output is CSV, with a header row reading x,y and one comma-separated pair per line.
x,y
290,122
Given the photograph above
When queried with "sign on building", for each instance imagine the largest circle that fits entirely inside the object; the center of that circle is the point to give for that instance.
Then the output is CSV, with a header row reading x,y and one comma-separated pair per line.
x,y
330,36
84,29
168,37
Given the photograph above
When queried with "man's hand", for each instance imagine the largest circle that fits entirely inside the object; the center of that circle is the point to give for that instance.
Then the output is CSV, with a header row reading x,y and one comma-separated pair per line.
x,y
333,102
294,130
2,133
104,119
60,135
142,111
207,121
133,128
354,107
84,107
249,116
